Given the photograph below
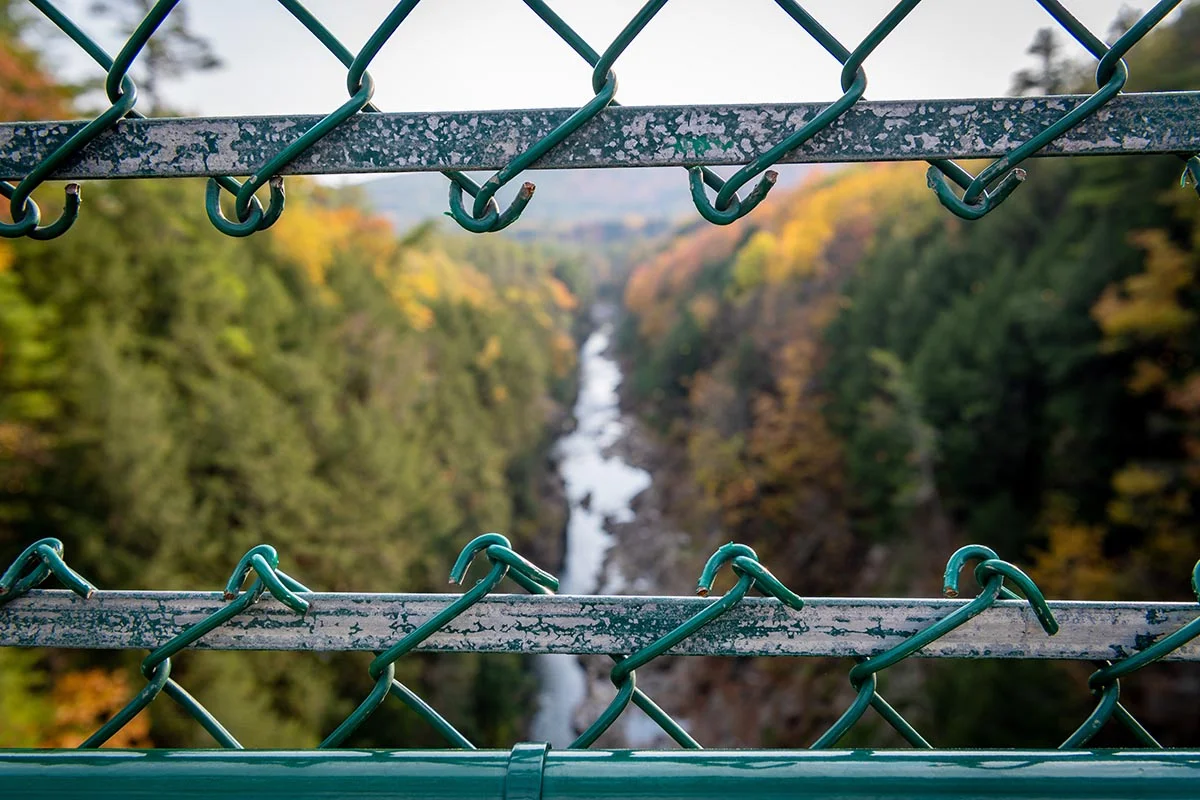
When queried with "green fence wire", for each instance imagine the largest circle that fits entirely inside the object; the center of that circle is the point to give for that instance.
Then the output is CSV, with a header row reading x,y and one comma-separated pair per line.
x,y
118,143
33,154
996,578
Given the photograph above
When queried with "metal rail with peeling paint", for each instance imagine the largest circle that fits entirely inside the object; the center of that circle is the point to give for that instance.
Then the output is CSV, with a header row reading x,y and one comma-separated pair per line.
x,y
842,627
358,137
619,136
1002,621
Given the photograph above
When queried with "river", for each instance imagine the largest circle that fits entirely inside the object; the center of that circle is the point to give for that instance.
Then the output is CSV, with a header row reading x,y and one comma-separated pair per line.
x,y
600,487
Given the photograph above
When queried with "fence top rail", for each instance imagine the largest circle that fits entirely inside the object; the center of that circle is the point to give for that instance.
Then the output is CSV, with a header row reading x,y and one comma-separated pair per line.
x,y
619,136
355,137
599,625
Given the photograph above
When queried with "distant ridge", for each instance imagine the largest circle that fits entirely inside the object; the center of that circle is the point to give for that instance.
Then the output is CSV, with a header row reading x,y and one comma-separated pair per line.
x,y
563,198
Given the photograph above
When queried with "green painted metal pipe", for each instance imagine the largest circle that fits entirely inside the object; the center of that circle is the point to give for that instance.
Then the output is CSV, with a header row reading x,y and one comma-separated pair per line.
x,y
599,775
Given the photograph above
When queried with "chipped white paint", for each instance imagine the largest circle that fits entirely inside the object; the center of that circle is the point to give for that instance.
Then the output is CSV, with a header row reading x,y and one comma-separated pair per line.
x,y
592,625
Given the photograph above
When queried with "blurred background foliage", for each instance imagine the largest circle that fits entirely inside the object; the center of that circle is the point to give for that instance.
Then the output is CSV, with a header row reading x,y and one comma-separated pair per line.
x,y
170,397
851,380
857,382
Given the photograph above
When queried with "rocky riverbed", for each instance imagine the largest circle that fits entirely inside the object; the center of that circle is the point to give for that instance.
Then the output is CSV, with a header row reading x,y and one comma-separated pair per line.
x,y
618,541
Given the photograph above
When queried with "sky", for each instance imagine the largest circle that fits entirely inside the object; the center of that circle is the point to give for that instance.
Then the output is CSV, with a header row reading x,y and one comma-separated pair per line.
x,y
488,54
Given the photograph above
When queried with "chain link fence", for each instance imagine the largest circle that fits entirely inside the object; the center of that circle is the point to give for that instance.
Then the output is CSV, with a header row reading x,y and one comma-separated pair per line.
x,y
264,608
358,137
1008,618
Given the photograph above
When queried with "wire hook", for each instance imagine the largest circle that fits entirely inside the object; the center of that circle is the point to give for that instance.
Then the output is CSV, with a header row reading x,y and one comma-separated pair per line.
x,y
499,550
264,562
985,192
745,563
122,95
34,565
485,216
251,217
728,208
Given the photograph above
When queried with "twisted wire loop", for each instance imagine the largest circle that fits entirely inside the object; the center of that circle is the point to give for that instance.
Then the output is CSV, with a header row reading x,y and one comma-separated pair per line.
x,y
34,565
1105,683
732,206
357,64
988,189
751,574
122,95
727,208
263,562
362,89
485,216
990,574
505,562
251,217
602,64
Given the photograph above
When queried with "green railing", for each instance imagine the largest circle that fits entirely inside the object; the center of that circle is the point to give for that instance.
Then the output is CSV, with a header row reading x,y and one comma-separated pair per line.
x,y
359,137
530,772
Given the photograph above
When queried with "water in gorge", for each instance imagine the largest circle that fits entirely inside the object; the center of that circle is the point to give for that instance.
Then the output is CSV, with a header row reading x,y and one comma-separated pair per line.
x,y
600,487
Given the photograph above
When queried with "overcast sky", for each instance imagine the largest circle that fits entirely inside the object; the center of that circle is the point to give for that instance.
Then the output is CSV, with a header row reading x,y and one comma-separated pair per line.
x,y
481,54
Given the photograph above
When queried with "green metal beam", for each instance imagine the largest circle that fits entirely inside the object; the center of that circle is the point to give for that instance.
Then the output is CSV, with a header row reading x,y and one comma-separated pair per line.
x,y
592,625
620,136
599,775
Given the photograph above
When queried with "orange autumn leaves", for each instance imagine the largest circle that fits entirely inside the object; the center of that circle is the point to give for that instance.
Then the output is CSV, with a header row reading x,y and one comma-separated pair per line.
x,y
823,224
775,281
85,700
26,91
63,710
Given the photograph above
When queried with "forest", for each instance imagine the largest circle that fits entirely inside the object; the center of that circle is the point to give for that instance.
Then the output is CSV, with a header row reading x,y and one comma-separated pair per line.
x,y
856,383
170,397
850,380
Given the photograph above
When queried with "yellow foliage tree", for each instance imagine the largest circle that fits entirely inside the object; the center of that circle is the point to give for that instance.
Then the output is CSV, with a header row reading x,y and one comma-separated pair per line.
x,y
1147,306
1148,313
1073,565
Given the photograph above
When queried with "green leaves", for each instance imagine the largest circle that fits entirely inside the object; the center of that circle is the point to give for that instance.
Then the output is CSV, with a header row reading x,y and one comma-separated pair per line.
x,y
169,397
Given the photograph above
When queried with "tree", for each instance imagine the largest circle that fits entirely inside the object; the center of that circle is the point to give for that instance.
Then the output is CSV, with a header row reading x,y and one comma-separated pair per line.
x,y
1053,75
173,51
26,90
1029,381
